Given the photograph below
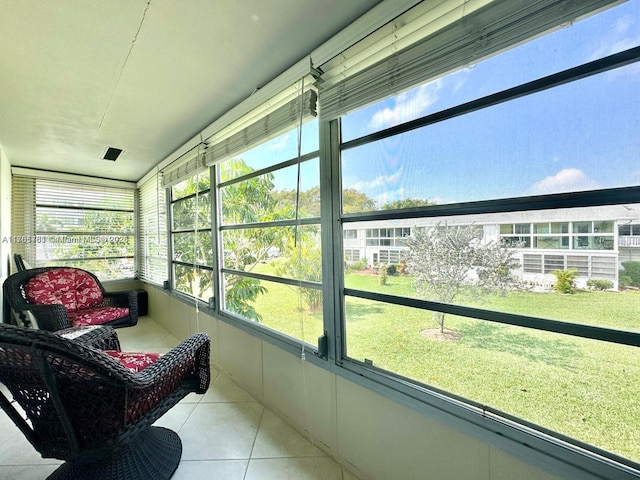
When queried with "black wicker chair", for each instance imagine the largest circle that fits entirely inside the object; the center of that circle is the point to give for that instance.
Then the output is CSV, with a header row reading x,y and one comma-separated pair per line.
x,y
80,405
55,317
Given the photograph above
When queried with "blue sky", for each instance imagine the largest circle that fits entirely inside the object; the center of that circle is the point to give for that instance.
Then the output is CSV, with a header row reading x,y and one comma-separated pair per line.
x,y
585,135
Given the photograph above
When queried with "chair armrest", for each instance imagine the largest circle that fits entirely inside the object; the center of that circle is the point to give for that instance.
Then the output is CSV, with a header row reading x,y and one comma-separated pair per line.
x,y
101,337
125,298
191,357
49,317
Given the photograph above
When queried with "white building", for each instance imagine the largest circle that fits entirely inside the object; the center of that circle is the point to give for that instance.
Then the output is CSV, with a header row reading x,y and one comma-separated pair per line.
x,y
592,240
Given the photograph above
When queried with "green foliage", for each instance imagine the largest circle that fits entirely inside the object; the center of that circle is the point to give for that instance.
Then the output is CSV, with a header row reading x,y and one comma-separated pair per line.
x,y
392,270
632,270
240,292
407,203
303,261
382,271
599,284
192,211
565,282
355,201
359,265
624,280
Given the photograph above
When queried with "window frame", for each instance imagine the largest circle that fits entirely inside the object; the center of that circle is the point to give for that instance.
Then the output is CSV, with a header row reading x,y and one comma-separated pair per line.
x,y
195,265
72,199
467,414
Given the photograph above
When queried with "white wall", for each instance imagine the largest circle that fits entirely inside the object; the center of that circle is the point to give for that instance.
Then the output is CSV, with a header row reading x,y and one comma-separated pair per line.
x,y
375,437
5,218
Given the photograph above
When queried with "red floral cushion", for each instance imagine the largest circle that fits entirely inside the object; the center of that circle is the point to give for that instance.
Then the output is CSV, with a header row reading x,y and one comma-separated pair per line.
x,y
97,315
133,361
70,287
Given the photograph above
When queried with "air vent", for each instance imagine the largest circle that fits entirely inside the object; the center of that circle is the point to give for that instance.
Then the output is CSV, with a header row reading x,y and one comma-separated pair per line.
x,y
112,153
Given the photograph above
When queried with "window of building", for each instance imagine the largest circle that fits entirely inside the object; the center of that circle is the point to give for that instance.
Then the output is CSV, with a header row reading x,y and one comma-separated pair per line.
x,y
351,255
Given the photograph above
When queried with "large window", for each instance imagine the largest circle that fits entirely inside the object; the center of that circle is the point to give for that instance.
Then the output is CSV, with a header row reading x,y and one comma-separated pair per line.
x,y
477,199
73,224
270,234
191,242
516,156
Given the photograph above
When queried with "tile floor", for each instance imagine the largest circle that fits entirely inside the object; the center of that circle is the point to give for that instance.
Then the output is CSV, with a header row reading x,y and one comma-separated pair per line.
x,y
226,434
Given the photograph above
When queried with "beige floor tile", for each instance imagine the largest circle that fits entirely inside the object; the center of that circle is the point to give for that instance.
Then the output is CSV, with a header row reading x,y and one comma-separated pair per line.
x,y
217,431
175,418
309,468
223,389
26,472
277,439
211,469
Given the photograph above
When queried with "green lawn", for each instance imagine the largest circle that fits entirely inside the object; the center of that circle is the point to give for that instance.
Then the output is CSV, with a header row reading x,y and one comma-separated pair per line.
x,y
581,388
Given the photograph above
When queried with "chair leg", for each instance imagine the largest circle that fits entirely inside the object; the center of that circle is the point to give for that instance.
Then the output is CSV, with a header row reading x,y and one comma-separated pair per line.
x,y
153,455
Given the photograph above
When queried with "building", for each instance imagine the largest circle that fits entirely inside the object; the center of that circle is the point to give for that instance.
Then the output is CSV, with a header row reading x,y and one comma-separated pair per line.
x,y
595,243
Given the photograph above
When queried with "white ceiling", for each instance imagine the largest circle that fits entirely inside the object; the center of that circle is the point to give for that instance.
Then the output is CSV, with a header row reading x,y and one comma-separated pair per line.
x,y
141,75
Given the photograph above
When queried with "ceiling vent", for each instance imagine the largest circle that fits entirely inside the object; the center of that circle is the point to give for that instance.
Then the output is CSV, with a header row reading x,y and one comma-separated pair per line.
x,y
112,154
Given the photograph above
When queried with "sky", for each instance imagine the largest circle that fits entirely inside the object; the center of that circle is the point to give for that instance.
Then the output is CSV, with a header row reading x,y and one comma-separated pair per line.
x,y
581,136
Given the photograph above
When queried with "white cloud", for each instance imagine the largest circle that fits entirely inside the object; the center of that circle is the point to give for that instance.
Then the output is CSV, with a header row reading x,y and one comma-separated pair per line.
x,y
279,143
408,105
623,36
381,181
566,180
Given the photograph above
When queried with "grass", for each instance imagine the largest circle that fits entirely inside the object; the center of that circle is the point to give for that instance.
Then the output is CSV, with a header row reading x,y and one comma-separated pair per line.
x,y
581,388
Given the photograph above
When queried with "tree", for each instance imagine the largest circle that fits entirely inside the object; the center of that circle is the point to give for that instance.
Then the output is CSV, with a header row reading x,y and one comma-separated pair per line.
x,y
356,201
407,203
304,262
244,202
189,215
448,262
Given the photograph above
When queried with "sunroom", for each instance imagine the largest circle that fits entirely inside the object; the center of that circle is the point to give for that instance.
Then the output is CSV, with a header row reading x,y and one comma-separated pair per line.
x,y
361,220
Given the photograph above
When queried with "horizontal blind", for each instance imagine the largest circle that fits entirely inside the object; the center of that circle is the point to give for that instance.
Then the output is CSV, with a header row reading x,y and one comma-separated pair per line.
x,y
242,136
75,224
187,166
23,218
433,39
152,232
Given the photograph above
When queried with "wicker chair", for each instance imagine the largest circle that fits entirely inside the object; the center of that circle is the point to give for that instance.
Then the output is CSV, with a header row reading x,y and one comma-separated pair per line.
x,y
57,316
83,406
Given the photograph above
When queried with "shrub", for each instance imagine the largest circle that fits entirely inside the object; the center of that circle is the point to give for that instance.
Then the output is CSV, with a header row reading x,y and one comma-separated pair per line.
x,y
599,284
392,270
632,270
360,264
624,281
383,274
402,268
565,280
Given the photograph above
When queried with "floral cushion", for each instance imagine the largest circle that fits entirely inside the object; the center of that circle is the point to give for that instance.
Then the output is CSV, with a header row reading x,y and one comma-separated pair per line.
x,y
70,287
97,315
133,361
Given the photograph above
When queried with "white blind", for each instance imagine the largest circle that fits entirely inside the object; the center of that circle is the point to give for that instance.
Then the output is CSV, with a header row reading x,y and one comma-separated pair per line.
x,y
23,218
152,232
74,224
435,38
257,128
185,167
